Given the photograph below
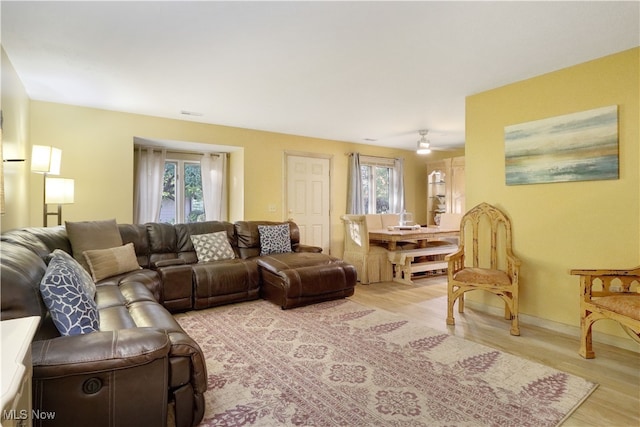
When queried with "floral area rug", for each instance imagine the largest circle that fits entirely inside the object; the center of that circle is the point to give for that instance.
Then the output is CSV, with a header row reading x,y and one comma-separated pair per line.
x,y
343,364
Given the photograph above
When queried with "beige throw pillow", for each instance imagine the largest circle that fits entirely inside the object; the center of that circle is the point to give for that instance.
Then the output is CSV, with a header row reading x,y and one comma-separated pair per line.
x,y
89,235
105,263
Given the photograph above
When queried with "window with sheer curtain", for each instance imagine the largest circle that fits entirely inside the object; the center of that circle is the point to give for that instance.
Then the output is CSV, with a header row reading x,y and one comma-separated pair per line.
x,y
379,185
176,187
181,192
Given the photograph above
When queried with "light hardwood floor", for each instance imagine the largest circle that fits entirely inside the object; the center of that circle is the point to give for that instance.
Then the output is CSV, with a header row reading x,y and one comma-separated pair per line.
x,y
616,401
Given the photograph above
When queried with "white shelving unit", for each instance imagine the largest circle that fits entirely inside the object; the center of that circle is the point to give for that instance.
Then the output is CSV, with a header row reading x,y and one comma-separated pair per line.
x,y
445,188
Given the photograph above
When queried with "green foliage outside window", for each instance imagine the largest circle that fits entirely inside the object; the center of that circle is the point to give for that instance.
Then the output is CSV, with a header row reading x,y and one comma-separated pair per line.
x,y
192,190
376,179
193,182
169,181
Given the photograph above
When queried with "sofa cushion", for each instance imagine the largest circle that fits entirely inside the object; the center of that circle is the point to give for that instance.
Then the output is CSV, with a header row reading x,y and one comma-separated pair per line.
x,y
162,242
110,262
212,246
87,235
136,234
224,282
72,310
290,261
274,239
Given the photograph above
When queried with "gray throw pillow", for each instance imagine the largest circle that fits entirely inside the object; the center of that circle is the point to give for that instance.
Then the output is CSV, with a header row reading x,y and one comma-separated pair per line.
x,y
88,235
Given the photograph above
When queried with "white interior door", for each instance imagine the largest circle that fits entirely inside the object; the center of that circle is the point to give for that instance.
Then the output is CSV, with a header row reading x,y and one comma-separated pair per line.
x,y
308,199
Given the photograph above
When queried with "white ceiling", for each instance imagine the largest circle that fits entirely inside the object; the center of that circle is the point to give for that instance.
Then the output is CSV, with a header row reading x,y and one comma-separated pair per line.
x,y
348,71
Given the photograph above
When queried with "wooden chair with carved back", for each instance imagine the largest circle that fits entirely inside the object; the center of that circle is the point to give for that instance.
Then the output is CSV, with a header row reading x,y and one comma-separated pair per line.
x,y
484,261
608,294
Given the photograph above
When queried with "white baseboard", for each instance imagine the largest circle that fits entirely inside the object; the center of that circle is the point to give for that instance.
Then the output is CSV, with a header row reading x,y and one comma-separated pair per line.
x,y
621,342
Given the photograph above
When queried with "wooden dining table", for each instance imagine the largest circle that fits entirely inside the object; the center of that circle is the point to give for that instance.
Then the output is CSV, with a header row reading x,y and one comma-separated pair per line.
x,y
422,235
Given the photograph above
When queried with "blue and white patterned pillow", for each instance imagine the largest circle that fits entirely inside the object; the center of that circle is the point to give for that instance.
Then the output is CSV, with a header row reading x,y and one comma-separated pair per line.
x,y
72,310
274,239
85,278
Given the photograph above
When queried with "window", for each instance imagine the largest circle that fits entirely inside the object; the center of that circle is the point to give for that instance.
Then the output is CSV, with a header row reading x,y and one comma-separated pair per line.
x,y
377,184
182,192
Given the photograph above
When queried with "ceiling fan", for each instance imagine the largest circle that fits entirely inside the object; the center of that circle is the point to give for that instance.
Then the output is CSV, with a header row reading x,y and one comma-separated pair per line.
x,y
424,145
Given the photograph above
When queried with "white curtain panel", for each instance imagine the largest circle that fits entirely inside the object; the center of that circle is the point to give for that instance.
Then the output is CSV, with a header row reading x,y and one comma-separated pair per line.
x,y
214,186
355,203
2,208
397,190
147,193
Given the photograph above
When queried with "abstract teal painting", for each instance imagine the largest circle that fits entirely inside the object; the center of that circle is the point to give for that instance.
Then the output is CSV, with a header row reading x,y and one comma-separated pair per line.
x,y
574,147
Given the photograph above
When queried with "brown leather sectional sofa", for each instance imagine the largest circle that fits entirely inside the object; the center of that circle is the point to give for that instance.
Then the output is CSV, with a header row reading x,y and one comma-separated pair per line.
x,y
141,368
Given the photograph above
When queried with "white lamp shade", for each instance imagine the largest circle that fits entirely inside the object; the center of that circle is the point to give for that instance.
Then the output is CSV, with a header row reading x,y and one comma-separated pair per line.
x,y
46,159
59,191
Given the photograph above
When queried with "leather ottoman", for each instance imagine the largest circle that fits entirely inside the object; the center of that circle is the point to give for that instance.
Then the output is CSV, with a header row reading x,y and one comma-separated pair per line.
x,y
297,279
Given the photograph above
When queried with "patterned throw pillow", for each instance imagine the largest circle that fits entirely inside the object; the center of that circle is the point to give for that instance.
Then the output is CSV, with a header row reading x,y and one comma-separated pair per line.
x,y
212,246
86,281
274,239
71,309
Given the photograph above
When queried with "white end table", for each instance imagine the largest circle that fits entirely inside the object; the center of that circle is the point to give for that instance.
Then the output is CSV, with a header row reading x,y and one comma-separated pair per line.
x,y
15,378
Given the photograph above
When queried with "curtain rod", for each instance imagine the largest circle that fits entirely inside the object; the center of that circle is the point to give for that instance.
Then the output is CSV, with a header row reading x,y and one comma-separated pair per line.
x,y
172,151
368,155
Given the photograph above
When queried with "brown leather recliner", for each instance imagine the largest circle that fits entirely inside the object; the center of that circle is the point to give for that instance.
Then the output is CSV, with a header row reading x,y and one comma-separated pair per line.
x,y
218,282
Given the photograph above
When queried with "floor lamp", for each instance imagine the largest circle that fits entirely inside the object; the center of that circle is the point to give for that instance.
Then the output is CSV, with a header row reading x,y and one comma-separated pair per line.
x,y
57,191
45,160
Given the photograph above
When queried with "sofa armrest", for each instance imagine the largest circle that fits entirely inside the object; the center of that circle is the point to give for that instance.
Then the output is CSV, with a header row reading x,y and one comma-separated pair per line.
x,y
182,345
98,352
177,288
306,248
103,378
167,262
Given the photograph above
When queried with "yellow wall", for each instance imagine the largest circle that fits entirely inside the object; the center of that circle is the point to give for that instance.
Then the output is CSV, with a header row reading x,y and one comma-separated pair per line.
x,y
557,227
15,145
236,186
97,151
561,226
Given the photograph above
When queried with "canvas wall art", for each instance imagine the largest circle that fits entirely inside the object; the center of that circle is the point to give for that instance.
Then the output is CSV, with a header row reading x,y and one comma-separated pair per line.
x,y
574,147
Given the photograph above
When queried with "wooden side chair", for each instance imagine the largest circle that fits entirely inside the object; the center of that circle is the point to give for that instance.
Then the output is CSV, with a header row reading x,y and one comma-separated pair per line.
x,y
608,294
484,261
371,262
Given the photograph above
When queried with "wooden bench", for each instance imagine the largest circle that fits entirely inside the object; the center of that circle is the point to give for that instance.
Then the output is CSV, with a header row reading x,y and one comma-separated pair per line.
x,y
404,266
